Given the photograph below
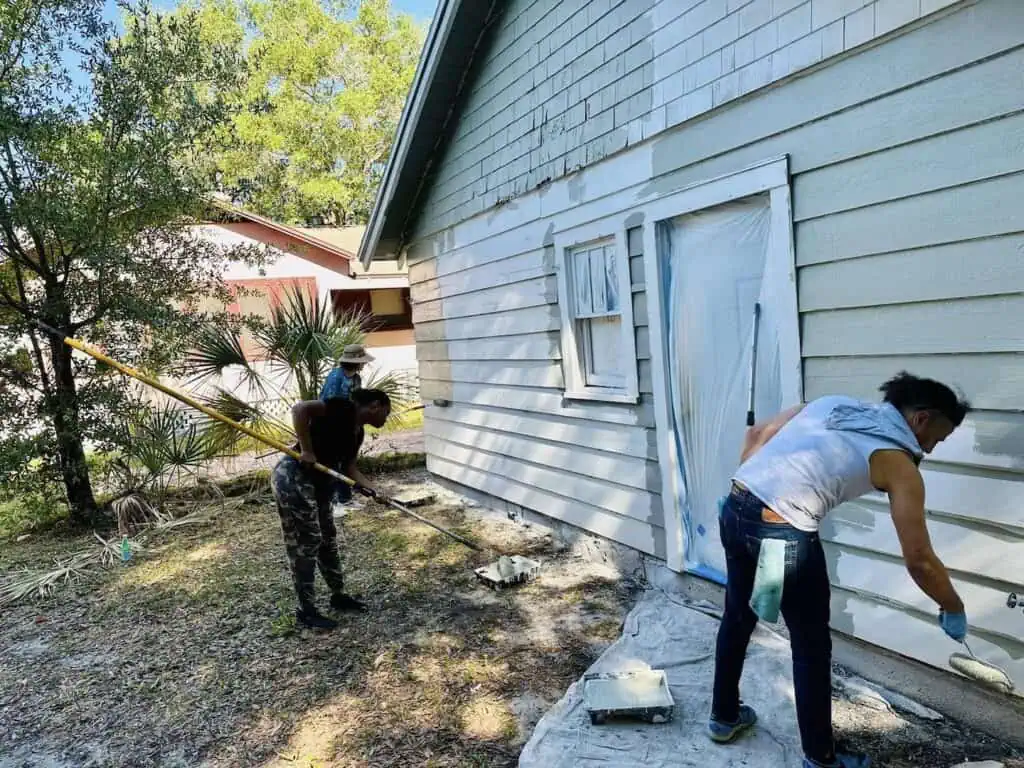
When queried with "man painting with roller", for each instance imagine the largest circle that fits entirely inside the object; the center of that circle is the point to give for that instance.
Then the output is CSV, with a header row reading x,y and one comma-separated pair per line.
x,y
329,432
794,470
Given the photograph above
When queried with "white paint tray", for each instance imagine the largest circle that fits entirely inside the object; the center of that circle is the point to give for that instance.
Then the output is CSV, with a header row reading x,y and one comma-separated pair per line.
x,y
508,571
641,693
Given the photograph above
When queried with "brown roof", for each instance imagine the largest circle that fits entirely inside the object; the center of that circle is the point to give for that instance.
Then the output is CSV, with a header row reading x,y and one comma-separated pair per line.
x,y
346,238
303,234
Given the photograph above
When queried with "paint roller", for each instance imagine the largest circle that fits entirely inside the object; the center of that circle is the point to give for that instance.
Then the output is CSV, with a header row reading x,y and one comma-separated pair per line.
x,y
989,675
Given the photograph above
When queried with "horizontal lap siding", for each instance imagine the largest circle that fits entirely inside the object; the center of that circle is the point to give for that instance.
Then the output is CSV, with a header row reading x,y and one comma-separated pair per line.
x,y
565,83
488,343
909,232
910,255
906,178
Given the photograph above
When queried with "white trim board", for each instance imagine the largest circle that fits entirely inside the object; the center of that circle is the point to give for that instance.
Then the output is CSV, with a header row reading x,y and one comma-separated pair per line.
x,y
771,176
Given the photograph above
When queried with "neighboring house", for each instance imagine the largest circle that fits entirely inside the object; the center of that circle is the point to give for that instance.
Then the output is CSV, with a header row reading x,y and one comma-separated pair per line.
x,y
320,261
593,195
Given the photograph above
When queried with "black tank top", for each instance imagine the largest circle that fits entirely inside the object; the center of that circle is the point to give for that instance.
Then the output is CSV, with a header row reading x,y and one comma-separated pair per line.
x,y
336,439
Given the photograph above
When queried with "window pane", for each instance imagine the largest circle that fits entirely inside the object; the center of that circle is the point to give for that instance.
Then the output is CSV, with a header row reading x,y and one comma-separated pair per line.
x,y
602,352
611,280
581,279
387,301
597,281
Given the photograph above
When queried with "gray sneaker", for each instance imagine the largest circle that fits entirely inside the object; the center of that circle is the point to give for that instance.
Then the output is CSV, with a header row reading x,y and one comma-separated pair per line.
x,y
724,733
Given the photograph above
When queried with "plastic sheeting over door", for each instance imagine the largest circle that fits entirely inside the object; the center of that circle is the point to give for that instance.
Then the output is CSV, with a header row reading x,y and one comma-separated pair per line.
x,y
715,263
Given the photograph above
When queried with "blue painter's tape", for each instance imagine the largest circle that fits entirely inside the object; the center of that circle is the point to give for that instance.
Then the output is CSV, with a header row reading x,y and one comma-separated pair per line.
x,y
706,572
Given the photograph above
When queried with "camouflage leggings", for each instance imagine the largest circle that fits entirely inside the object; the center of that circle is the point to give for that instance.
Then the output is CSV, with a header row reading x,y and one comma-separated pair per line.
x,y
310,534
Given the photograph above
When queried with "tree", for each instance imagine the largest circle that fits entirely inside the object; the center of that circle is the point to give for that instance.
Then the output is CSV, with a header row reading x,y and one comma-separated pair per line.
x,y
321,105
98,183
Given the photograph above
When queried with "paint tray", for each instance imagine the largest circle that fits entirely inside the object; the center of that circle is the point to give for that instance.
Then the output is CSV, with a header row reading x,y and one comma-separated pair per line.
x,y
508,571
640,694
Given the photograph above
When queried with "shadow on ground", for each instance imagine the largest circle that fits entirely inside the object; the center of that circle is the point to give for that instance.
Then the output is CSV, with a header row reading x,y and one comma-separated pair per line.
x,y
189,656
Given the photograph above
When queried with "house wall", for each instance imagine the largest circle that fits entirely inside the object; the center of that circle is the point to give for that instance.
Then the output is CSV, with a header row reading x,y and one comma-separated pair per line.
x,y
568,82
394,350
907,173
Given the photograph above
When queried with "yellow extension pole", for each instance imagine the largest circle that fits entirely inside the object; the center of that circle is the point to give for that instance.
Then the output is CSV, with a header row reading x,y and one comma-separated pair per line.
x,y
81,346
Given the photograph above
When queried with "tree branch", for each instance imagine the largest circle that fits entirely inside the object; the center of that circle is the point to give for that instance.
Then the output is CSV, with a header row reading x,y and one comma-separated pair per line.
x,y
44,375
14,185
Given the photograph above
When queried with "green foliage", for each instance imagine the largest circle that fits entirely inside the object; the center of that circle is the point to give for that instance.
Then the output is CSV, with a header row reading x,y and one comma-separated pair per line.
x,y
302,340
321,104
97,187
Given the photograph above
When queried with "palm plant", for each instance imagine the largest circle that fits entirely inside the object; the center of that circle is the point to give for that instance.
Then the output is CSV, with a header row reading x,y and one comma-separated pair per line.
x,y
164,448
300,343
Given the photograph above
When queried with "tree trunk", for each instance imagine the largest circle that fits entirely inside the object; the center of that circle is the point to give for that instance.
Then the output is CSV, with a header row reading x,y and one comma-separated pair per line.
x,y
70,450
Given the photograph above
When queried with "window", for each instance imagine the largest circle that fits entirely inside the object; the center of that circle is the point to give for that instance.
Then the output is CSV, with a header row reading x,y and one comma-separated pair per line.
x,y
388,308
598,346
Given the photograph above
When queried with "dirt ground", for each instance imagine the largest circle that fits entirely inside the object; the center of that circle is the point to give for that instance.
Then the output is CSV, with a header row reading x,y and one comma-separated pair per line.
x,y
188,657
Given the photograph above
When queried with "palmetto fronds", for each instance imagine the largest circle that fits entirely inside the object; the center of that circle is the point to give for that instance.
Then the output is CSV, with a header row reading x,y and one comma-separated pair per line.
x,y
223,438
300,342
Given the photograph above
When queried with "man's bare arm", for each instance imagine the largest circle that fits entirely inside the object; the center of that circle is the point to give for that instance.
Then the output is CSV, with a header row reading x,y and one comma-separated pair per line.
x,y
895,473
759,434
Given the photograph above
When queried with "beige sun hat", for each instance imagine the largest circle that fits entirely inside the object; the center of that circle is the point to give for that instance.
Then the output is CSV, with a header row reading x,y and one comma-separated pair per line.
x,y
355,354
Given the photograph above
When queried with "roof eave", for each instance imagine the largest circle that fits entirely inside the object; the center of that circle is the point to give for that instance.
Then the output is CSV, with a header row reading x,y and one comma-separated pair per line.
x,y
284,229
433,47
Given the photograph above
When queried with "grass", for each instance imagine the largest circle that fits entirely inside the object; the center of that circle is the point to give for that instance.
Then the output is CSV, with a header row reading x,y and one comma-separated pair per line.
x,y
30,513
191,650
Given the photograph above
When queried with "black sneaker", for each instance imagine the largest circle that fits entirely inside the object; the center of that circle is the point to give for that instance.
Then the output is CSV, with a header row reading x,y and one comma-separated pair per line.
x,y
342,602
312,618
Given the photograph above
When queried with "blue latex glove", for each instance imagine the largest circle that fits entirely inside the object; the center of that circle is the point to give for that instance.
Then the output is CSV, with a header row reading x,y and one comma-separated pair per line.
x,y
954,625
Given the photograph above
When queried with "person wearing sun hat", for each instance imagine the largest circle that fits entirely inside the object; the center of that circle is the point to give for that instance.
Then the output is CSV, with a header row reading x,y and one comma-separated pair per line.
x,y
345,377
341,382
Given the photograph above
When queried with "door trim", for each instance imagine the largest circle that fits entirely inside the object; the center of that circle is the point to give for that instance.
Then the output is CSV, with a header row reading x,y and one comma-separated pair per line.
x,y
772,177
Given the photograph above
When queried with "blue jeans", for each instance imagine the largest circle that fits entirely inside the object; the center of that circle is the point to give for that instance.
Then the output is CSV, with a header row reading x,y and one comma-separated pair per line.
x,y
805,607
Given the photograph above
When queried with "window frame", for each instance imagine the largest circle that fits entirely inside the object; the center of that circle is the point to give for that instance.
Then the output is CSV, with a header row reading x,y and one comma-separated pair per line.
x,y
613,231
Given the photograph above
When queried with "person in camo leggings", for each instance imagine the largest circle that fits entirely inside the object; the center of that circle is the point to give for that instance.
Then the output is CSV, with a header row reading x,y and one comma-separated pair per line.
x,y
329,432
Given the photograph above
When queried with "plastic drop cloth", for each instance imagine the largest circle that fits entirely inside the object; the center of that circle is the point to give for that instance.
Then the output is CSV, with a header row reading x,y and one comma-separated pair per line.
x,y
666,632
715,272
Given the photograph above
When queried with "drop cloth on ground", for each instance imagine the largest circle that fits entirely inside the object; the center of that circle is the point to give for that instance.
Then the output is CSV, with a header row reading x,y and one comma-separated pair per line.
x,y
666,632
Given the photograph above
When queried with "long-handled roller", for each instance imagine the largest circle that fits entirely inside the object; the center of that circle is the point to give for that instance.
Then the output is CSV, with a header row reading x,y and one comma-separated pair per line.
x,y
985,673
276,445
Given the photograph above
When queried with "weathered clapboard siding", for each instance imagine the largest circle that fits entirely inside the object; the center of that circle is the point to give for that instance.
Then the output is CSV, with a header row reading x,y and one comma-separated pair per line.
x,y
910,257
971,268
509,419
993,380
633,441
565,84
907,176
633,533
